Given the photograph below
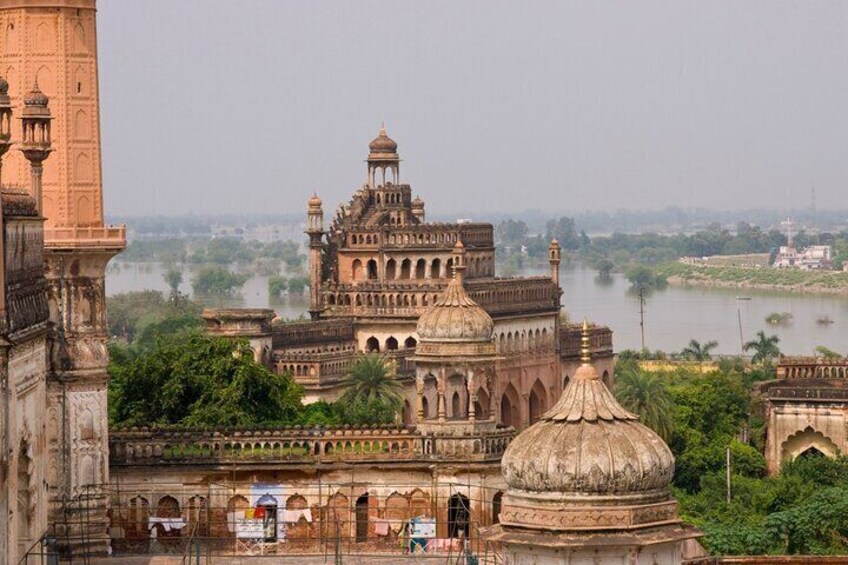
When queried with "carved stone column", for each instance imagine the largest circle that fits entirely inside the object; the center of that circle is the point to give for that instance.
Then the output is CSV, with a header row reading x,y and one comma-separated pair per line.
x,y
440,388
472,396
419,386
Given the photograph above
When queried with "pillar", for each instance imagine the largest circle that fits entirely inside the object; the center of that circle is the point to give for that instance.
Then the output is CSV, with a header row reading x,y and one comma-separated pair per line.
x,y
419,386
440,387
472,397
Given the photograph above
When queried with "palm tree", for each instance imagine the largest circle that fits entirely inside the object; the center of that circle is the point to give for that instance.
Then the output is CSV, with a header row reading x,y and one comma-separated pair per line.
x,y
646,395
697,351
371,378
765,348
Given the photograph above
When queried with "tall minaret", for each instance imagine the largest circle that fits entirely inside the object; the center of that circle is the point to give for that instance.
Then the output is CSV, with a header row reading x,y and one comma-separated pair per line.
x,y
554,254
53,44
315,231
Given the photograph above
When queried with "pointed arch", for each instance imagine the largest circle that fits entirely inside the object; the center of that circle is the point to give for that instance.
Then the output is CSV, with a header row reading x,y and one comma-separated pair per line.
x,y
803,440
537,401
510,411
82,168
82,125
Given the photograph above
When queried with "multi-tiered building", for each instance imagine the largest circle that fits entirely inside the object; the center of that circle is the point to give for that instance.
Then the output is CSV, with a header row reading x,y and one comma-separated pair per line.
x,y
374,271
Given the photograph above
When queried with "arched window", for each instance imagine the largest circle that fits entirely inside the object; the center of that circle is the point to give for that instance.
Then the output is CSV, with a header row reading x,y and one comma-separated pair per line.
x,y
436,269
537,401
391,344
372,344
410,343
362,518
356,270
420,268
456,405
425,406
372,269
496,507
405,267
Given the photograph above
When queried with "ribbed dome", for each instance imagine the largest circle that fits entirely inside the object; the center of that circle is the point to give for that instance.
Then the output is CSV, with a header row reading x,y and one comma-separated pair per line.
x,y
35,97
587,444
315,201
383,143
455,317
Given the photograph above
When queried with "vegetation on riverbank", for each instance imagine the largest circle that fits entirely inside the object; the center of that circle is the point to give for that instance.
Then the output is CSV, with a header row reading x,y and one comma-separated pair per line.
x,y
831,282
801,510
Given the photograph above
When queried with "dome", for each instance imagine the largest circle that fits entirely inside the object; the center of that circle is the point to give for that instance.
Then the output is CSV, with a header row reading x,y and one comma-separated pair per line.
x,y
587,452
315,202
454,316
383,143
35,97
417,203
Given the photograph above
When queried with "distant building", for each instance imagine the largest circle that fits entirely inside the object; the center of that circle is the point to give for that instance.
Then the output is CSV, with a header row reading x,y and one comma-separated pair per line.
x,y
813,258
746,260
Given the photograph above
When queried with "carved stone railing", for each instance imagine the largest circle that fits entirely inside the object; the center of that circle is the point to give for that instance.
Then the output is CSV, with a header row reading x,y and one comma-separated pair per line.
x,y
600,341
143,446
812,368
307,333
815,394
95,236
515,295
472,235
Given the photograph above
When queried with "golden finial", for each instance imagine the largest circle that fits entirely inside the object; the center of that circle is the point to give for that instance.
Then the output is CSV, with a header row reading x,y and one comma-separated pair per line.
x,y
585,355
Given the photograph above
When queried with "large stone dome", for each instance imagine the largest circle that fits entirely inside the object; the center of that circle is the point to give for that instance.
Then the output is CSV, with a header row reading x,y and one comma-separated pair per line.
x,y
588,464
588,444
454,316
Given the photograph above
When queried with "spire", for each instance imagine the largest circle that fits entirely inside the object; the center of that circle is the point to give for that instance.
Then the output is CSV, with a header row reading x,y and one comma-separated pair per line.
x,y
585,351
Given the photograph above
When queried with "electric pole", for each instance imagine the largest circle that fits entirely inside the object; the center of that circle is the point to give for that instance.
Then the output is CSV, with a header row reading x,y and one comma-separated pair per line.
x,y
642,313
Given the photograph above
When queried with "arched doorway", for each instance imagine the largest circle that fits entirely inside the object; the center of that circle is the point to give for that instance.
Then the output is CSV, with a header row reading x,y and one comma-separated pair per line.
x,y
362,518
372,269
481,405
410,343
391,344
510,414
496,507
372,345
456,406
458,513
391,268
537,402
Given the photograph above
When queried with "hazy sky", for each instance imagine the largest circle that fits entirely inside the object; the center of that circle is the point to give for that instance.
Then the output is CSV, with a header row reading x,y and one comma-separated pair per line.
x,y
213,106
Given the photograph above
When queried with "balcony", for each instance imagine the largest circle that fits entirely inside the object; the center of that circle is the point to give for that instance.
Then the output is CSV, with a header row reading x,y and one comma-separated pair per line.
x,y
94,236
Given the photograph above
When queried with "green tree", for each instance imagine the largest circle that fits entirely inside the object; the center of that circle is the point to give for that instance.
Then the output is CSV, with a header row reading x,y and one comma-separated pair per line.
x,y
605,267
827,353
218,280
372,394
696,351
196,380
765,348
277,286
646,395
174,278
641,276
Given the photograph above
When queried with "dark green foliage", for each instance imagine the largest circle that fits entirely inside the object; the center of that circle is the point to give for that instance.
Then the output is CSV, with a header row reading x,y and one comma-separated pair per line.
x,y
218,280
194,380
130,312
641,276
372,393
764,347
803,509
646,395
277,286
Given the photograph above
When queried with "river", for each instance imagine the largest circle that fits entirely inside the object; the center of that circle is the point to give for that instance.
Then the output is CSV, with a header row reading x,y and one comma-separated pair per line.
x,y
672,316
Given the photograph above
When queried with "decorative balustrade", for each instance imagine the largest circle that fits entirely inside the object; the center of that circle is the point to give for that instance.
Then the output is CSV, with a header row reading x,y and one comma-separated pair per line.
x,y
307,333
280,446
472,235
812,393
93,236
600,341
812,368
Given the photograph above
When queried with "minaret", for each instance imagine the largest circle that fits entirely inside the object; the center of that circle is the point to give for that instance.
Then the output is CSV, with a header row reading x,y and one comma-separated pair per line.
x,y
553,258
53,43
315,231
418,210
5,121
36,144
382,158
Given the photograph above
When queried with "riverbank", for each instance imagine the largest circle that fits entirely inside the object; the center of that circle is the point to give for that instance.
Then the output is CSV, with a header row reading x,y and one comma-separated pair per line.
x,y
785,280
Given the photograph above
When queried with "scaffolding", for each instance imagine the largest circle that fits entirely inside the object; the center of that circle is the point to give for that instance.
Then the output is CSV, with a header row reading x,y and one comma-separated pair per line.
x,y
352,522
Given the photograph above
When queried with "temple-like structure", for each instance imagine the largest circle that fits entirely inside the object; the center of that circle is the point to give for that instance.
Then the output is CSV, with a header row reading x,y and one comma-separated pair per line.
x,y
589,484
376,269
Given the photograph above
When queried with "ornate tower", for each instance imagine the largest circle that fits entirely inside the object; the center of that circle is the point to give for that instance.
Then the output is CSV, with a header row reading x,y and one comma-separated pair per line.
x,y
5,120
553,259
382,157
35,145
315,231
53,43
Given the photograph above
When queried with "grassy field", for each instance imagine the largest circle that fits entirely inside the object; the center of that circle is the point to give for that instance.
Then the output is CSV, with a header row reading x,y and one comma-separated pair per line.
x,y
830,282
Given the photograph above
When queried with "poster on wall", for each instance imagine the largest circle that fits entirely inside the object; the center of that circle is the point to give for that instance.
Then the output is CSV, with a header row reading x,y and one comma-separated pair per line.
x,y
261,520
